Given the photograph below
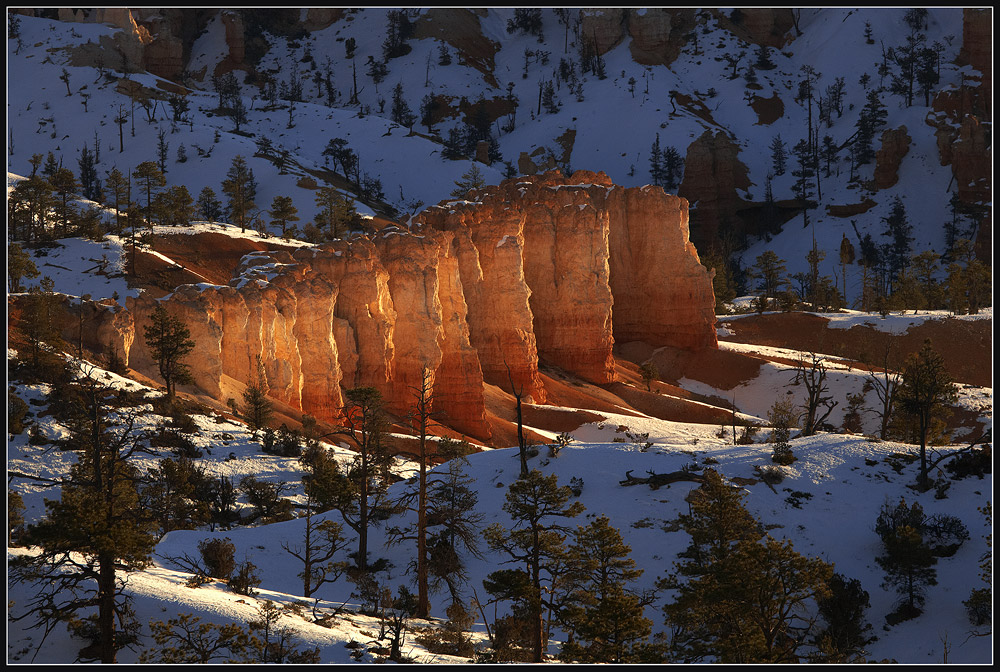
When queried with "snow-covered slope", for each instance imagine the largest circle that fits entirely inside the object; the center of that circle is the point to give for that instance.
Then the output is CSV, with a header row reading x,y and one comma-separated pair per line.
x,y
43,118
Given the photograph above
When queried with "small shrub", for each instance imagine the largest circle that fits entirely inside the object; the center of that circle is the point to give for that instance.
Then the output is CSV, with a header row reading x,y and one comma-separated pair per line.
x,y
783,454
17,410
245,579
771,475
979,606
747,435
974,463
218,557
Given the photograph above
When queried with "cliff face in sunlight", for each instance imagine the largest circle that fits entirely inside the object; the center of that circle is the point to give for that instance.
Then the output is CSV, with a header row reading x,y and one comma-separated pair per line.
x,y
538,269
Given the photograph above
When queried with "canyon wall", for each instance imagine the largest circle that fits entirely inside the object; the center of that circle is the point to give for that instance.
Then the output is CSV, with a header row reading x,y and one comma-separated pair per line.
x,y
537,270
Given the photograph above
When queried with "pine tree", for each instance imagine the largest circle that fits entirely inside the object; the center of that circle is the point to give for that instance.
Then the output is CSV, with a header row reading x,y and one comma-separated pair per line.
x,y
95,531
870,121
169,342
746,595
401,113
336,210
362,498
907,560
471,179
428,108
454,526
924,394
283,212
802,175
673,167
764,61
186,640
603,612
19,266
64,184
768,268
535,503
241,189
118,188
656,162
778,156
899,232
257,410
39,328
208,205
149,178
90,185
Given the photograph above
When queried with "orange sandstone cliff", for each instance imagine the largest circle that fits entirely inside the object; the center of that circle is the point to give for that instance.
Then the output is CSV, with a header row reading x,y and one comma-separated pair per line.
x,y
542,269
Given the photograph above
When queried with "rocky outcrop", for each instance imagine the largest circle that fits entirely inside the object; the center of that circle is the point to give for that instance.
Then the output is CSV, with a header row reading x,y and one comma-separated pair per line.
x,y
971,161
712,175
977,44
603,29
235,43
538,269
766,26
895,146
659,34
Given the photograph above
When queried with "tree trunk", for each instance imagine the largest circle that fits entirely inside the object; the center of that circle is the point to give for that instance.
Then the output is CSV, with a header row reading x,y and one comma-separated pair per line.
x,y
106,608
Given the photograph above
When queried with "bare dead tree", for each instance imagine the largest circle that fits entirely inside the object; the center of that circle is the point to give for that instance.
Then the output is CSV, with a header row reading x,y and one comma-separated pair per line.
x,y
885,383
522,445
812,374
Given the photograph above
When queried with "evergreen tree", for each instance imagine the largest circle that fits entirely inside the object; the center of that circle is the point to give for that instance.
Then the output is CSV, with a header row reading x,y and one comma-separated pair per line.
x,y
283,212
90,184
870,121
179,206
361,495
149,178
444,55
899,231
845,635
673,168
401,113
778,156
656,162
241,189
802,175
186,640
257,410
208,205
604,614
454,145
471,179
19,266
169,342
428,108
177,493
453,526
924,394
764,61
907,560
398,30
162,149
336,210
64,184
768,269
535,503
93,533
39,327
746,598
118,188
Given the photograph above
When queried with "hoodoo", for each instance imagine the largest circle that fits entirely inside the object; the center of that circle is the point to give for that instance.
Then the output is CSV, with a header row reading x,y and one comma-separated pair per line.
x,y
546,268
